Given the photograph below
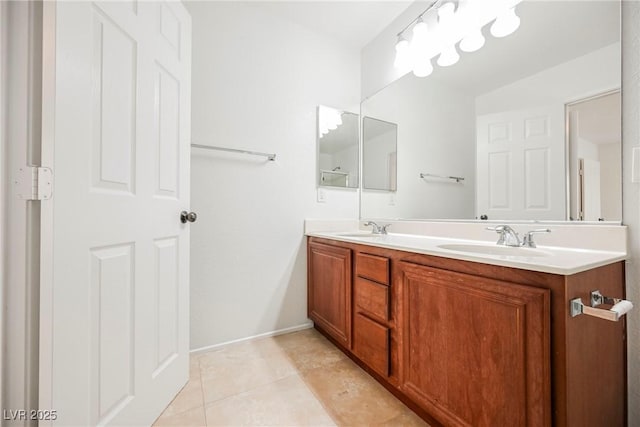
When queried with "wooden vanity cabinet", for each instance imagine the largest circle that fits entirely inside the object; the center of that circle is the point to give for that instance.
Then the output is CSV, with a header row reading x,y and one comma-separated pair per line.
x,y
329,290
470,344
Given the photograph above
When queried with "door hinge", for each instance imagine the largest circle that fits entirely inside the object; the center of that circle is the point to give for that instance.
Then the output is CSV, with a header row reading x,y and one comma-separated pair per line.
x,y
33,183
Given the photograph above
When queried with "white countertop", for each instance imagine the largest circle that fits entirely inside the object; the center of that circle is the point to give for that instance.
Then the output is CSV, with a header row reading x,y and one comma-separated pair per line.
x,y
547,259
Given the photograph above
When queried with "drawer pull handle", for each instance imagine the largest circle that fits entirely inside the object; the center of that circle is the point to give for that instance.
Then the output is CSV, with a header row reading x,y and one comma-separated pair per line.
x,y
619,309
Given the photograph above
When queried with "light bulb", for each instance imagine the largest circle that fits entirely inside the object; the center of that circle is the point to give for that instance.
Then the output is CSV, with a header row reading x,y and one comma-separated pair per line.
x,y
420,34
403,54
506,23
446,11
449,56
333,119
473,41
422,66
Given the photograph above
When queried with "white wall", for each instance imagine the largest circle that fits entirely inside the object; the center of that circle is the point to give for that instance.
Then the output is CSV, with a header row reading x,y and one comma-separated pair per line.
x,y
436,134
3,182
257,80
631,193
558,85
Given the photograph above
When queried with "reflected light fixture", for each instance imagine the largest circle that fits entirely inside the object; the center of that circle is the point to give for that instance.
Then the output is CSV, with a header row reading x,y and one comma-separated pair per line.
x,y
420,34
453,26
449,56
473,41
328,119
506,23
421,63
422,66
403,54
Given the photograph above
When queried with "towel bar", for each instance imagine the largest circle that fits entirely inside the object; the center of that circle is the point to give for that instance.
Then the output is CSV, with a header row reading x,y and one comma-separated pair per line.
x,y
619,309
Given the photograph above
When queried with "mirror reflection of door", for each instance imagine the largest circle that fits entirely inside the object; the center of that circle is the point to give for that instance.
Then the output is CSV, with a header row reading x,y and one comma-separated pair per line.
x,y
520,160
594,133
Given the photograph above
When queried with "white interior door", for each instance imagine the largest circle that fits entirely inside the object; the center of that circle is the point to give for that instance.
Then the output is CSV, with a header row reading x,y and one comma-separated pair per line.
x,y
521,164
590,190
115,256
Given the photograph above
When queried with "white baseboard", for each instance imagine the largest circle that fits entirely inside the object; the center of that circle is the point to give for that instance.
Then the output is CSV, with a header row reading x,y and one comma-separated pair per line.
x,y
296,328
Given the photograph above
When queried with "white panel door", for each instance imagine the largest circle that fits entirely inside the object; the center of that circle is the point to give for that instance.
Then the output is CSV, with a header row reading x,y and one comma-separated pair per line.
x,y
520,164
115,256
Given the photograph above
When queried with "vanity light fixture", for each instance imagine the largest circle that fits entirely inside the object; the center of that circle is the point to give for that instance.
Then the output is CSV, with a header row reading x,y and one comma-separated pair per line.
x,y
446,24
463,25
420,61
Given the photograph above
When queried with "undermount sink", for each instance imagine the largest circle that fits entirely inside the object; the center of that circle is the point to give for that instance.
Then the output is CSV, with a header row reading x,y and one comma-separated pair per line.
x,y
363,234
495,250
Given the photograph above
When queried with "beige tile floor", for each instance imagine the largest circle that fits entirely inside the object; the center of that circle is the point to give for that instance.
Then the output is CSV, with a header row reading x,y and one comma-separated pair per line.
x,y
296,379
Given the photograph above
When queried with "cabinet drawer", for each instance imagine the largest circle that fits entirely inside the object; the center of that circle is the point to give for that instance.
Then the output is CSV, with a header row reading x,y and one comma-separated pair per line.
x,y
372,298
373,267
371,343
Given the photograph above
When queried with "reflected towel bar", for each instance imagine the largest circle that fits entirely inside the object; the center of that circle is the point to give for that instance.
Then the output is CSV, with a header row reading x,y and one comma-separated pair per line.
x,y
269,156
453,178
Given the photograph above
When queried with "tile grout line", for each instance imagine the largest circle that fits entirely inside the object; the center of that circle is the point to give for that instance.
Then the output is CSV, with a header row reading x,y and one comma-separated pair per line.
x,y
204,408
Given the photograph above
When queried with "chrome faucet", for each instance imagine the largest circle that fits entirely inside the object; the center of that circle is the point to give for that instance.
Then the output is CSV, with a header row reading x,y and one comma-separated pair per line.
x,y
509,237
377,229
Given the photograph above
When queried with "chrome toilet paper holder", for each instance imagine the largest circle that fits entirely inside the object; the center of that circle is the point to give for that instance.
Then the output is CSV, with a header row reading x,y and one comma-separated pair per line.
x,y
619,309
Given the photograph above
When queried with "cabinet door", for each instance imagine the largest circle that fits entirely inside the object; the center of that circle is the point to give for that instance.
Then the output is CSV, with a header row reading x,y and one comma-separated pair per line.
x,y
475,351
329,290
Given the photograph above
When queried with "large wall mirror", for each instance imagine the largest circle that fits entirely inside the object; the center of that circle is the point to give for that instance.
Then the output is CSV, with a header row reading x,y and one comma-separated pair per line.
x,y
338,136
526,128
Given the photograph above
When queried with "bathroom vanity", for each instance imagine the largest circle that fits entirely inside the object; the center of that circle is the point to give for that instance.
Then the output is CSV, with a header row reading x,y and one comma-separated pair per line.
x,y
465,341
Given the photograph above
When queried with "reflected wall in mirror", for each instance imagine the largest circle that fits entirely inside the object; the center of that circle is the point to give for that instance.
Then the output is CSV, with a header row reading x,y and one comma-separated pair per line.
x,y
499,118
337,135
379,154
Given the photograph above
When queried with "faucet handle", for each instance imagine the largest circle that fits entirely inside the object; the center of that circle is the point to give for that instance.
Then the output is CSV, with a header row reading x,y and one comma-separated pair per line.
x,y
501,231
528,237
383,228
508,236
376,228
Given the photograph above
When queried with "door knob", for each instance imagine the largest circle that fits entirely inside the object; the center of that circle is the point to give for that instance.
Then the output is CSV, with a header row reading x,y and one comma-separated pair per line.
x,y
188,216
